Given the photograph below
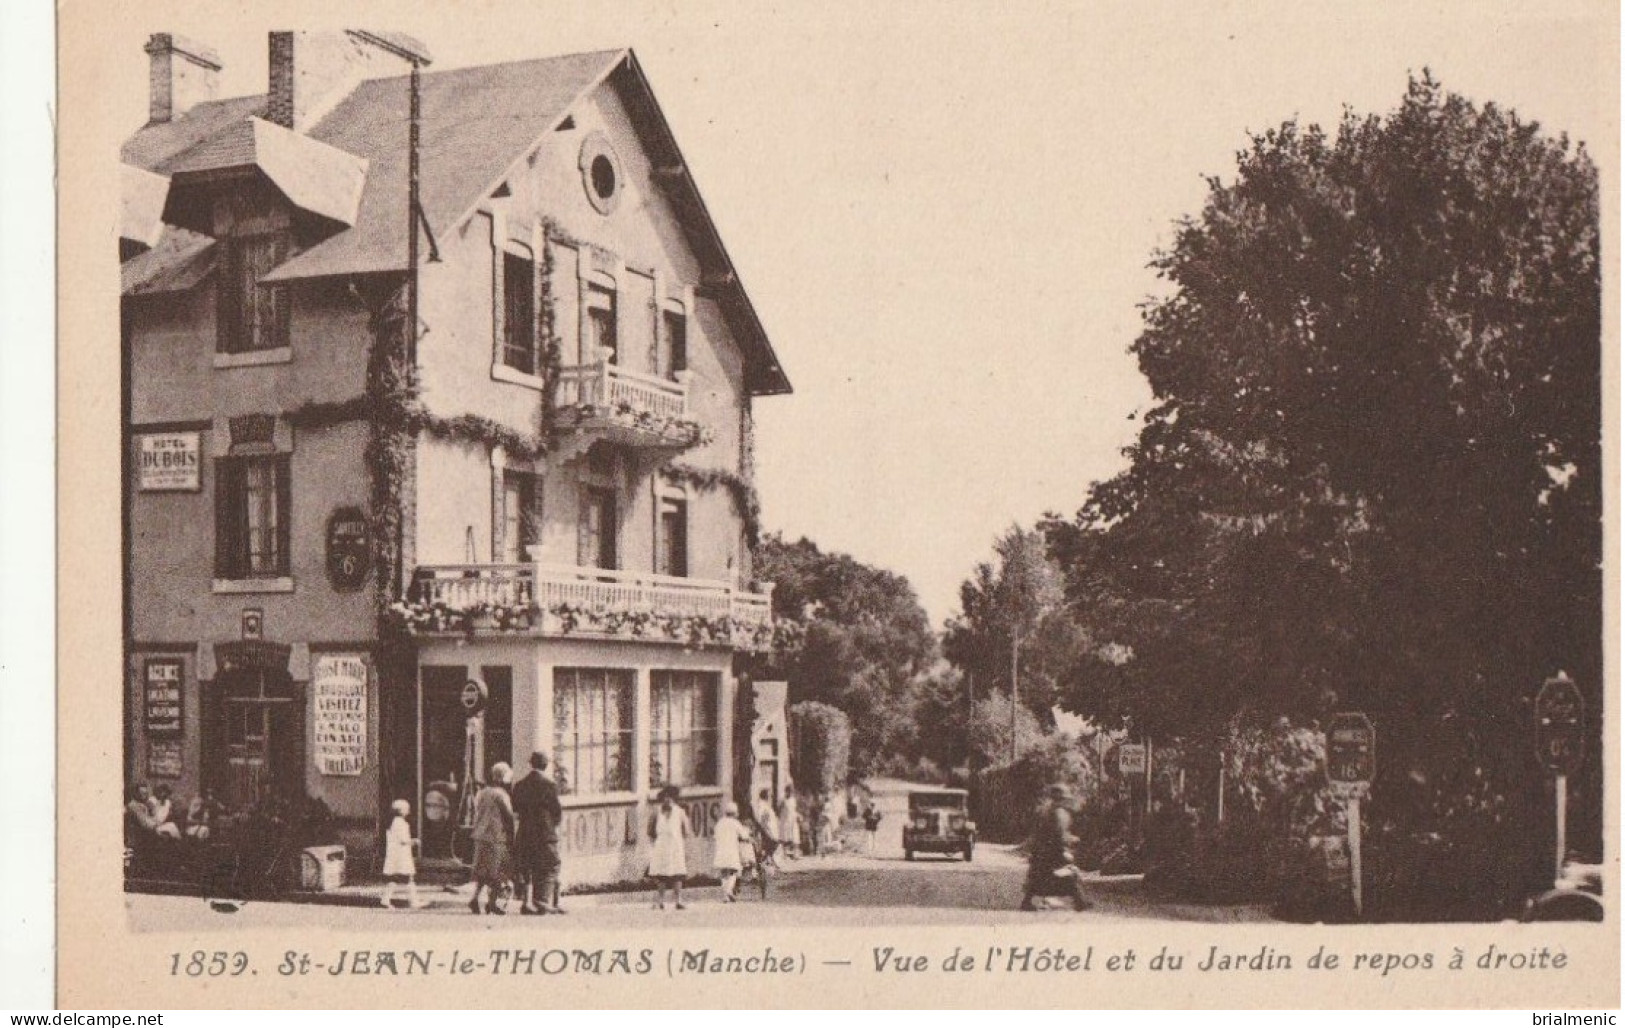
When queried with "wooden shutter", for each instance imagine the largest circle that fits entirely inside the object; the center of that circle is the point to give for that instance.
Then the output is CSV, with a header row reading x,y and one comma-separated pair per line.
x,y
284,514
228,308
230,528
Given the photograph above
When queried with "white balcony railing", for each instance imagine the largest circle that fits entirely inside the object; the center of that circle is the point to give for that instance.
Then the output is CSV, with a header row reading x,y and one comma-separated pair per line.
x,y
603,384
546,589
466,586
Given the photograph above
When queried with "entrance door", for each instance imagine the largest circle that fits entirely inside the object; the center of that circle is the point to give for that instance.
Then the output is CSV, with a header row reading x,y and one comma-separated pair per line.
x,y
260,733
444,731
446,740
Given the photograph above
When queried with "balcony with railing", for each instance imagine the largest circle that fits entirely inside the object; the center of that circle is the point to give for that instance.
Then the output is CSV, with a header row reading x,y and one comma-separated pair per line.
x,y
563,600
607,401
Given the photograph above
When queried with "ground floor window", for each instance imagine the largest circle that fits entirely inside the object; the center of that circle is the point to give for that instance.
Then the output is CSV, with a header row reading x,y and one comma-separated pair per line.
x,y
592,729
683,728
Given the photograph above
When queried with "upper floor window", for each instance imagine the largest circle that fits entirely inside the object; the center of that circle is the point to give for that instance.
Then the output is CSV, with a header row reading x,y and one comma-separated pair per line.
x,y
671,547
251,317
596,529
521,516
675,338
252,506
598,325
519,349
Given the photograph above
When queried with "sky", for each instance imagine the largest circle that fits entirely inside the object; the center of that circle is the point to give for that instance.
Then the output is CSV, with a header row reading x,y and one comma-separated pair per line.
x,y
944,212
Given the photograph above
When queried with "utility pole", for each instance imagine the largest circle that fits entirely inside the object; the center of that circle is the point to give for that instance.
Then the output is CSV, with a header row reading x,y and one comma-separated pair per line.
x,y
970,720
1015,687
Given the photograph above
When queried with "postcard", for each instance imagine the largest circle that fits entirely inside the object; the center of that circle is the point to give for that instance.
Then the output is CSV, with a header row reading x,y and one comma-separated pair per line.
x,y
1064,505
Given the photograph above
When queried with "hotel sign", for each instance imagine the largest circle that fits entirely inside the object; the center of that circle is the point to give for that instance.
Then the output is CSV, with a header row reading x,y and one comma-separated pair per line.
x,y
339,692
168,462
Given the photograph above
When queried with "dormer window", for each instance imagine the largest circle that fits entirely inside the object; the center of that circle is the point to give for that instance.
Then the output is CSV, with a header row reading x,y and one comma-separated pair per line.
x,y
251,318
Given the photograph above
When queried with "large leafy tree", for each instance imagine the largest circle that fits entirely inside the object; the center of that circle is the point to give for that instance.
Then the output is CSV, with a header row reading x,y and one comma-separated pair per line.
x,y
865,639
1372,477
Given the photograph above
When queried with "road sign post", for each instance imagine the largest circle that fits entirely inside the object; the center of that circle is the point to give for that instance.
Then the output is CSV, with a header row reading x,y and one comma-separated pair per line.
x,y
1560,742
1351,764
1133,764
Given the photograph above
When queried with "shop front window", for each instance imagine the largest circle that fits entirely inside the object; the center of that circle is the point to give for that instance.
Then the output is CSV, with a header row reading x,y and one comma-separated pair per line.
x,y
683,728
592,729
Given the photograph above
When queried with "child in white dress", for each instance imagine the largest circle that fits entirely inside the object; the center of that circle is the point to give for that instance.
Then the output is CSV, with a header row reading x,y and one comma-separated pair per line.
x,y
729,839
399,865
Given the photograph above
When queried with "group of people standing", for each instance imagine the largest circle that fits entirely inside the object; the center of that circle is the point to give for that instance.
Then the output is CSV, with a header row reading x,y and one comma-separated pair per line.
x,y
515,833
817,832
516,840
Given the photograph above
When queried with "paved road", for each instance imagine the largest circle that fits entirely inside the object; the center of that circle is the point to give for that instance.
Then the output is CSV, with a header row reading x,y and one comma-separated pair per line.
x,y
837,891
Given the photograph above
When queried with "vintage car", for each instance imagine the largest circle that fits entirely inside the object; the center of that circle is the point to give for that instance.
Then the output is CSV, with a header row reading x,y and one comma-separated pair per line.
x,y
938,822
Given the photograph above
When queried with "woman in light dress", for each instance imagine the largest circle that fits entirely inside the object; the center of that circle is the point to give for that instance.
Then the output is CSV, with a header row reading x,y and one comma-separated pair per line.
x,y
493,840
668,860
789,824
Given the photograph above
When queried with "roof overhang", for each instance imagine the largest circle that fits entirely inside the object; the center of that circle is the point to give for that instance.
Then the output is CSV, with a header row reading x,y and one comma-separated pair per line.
x,y
764,374
142,195
178,261
314,176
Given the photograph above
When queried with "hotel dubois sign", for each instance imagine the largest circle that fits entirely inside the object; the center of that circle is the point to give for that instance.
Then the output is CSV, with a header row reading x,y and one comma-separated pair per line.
x,y
168,462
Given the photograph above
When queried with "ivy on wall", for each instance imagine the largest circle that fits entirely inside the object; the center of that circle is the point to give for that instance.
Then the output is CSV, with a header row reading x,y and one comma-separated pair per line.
x,y
694,631
395,416
743,494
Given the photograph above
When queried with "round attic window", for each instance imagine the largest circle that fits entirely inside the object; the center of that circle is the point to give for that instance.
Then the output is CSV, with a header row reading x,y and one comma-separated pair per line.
x,y
600,173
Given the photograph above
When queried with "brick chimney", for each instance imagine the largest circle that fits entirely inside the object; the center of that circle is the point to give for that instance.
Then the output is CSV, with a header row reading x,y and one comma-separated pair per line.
x,y
312,72
183,73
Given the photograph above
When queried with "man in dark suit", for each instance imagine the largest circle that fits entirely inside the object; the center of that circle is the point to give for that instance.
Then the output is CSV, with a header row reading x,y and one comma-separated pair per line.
x,y
536,845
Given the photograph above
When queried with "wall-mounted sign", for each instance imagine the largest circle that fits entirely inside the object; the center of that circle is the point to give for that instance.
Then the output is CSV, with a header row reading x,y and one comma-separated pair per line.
x,y
164,759
253,623
168,462
161,690
338,685
348,549
590,830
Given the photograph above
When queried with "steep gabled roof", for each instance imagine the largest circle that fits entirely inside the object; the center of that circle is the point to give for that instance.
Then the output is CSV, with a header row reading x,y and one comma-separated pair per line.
x,y
477,123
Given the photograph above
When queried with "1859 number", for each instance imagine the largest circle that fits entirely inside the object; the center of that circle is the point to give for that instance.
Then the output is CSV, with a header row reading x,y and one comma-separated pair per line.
x,y
199,964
